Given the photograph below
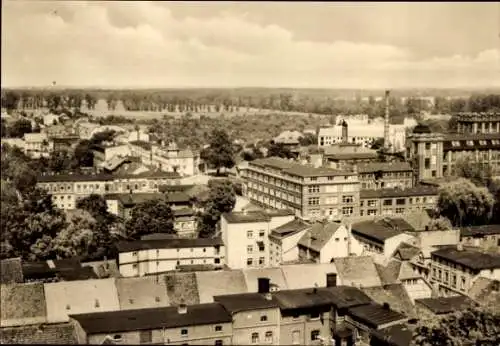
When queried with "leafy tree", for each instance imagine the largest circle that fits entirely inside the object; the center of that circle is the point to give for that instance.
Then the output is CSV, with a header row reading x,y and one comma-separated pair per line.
x,y
76,238
479,174
464,203
19,128
154,216
279,150
10,100
220,152
83,156
440,224
221,199
308,139
94,204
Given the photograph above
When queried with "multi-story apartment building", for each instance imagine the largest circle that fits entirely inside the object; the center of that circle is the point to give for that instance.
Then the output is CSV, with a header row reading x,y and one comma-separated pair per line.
x,y
434,155
486,237
474,123
169,159
66,189
202,324
37,145
104,152
395,201
308,191
380,175
455,268
145,257
283,242
246,236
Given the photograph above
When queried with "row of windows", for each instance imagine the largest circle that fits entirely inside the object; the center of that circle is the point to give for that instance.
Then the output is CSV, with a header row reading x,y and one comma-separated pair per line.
x,y
386,175
179,262
250,234
250,261
330,200
444,277
250,248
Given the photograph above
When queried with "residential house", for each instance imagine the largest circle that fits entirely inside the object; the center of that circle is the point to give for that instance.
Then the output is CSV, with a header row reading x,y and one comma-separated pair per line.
x,y
397,201
37,145
144,257
455,268
325,241
428,308
380,175
283,241
310,192
50,119
202,324
105,152
288,138
85,129
394,296
485,236
246,236
255,316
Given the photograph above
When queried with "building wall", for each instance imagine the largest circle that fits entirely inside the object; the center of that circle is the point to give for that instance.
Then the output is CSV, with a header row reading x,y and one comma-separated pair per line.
x,y
139,263
417,289
391,244
486,242
337,246
426,152
377,206
304,325
285,249
403,179
249,322
427,239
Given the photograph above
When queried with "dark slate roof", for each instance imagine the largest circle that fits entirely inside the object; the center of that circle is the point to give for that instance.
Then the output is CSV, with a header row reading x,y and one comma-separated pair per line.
x,y
445,305
159,236
235,303
406,252
132,199
398,335
421,128
399,192
479,231
255,216
44,334
319,235
382,229
297,169
152,318
346,296
395,295
479,141
291,227
175,243
184,212
372,167
374,315
67,269
172,188
303,298
11,271
469,258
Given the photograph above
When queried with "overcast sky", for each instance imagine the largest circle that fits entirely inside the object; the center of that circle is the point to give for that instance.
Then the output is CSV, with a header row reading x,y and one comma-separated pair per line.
x,y
337,45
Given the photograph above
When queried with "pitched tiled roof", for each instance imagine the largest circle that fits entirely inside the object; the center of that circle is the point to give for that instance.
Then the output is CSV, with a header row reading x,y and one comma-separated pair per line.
x,y
297,169
382,229
182,287
132,199
384,167
418,219
246,301
45,334
398,335
445,305
221,282
73,297
357,270
319,235
142,292
406,272
154,318
11,271
395,295
347,296
374,315
316,274
291,227
274,274
104,269
469,258
303,298
22,304
389,274
405,251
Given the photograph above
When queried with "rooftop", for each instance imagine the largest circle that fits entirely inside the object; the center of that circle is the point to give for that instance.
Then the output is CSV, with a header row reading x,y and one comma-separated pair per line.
x,y
104,176
142,144
175,243
132,199
406,252
445,305
221,282
235,303
44,334
382,229
374,315
22,304
399,192
384,167
303,298
345,152
255,216
11,271
294,168
466,141
469,258
319,234
395,295
291,227
153,318
142,292
357,270
479,231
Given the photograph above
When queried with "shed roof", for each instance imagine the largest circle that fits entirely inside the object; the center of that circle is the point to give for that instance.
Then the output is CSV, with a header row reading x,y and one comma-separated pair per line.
x,y
182,287
445,305
316,274
395,295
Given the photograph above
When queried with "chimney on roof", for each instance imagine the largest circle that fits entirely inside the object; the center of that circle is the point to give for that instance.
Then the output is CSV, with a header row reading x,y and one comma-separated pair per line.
x,y
263,285
460,247
386,306
182,308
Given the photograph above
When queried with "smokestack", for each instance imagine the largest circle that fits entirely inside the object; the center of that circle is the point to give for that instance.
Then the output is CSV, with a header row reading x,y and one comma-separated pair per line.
x,y
386,120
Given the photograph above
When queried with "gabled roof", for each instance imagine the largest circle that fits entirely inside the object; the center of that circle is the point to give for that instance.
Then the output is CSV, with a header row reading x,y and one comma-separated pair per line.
x,y
389,274
316,274
104,269
11,271
290,228
469,258
374,315
405,252
398,335
319,235
395,295
235,303
154,318
221,282
357,270
445,305
182,287
142,292
45,334
303,298
275,275
132,199
406,272
347,296
380,230
418,219
22,304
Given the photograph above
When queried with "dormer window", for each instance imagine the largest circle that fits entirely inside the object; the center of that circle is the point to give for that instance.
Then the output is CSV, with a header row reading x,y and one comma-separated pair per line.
x,y
470,143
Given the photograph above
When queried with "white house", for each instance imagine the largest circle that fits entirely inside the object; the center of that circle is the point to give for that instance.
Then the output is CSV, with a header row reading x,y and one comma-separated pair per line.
x,y
246,236
143,257
415,285
283,242
51,119
324,242
37,144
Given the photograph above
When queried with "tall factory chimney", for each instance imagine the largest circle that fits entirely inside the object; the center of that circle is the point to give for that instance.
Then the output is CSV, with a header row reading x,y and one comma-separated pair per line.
x,y
386,120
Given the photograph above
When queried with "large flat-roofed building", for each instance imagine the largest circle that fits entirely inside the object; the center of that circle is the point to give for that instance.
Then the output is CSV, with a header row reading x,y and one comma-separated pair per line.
x,y
474,123
308,191
379,175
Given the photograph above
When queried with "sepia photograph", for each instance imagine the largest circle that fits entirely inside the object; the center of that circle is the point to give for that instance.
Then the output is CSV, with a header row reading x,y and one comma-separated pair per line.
x,y
250,173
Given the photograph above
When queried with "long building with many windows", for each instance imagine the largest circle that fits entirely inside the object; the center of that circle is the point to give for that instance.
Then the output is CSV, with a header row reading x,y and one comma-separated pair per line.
x,y
311,193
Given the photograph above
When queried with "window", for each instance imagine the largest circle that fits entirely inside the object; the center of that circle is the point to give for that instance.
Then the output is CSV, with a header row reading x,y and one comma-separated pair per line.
x,y
347,210
372,202
387,201
427,146
218,343
261,260
218,328
314,334
134,253
249,248
372,212
314,189
134,266
462,284
146,336
263,318
400,210
296,337
217,260
249,234
255,338
313,201
269,337
427,163
400,201
347,199
249,262
117,337
184,332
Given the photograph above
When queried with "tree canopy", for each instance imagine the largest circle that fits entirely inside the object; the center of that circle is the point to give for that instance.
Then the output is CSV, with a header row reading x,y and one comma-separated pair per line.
x,y
153,216
279,150
220,153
